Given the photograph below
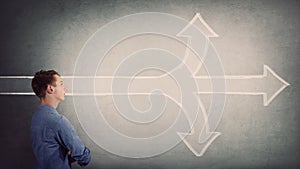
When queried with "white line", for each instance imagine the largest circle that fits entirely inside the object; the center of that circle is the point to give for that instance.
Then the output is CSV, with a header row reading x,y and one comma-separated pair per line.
x,y
108,94
231,77
141,77
81,94
198,16
17,93
16,77
85,77
234,93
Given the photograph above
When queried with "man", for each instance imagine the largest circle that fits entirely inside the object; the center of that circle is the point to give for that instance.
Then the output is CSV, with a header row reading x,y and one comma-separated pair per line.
x,y
54,141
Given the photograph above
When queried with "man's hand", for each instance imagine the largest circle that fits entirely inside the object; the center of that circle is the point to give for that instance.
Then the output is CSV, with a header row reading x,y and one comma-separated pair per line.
x,y
71,160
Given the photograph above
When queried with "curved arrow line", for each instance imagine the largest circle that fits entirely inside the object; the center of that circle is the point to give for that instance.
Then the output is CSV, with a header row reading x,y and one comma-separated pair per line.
x,y
206,30
196,132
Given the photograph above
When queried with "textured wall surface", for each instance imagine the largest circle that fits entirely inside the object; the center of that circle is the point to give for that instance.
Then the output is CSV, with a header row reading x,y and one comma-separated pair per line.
x,y
49,35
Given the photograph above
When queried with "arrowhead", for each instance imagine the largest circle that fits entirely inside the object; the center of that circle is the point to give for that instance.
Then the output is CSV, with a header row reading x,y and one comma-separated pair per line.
x,y
274,84
200,25
197,31
192,141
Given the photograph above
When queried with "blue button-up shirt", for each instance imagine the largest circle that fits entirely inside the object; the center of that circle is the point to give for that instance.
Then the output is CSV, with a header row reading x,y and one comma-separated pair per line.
x,y
52,136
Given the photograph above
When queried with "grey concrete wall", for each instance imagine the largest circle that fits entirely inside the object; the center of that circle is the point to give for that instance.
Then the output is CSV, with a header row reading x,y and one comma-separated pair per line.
x,y
49,35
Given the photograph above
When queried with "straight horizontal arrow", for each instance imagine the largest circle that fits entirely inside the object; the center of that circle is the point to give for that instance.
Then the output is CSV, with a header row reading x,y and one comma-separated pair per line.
x,y
269,85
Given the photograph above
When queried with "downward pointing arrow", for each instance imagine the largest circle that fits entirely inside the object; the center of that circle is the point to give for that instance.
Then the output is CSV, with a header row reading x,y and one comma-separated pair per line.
x,y
194,140
269,85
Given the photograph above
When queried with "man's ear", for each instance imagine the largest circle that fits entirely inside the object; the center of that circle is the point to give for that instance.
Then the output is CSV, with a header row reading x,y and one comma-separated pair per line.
x,y
49,89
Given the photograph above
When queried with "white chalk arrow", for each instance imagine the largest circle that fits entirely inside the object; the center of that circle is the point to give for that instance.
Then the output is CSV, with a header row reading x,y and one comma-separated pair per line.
x,y
198,53
197,32
194,140
268,85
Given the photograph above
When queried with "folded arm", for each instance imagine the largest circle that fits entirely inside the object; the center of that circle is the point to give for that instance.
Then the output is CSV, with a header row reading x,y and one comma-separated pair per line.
x,y
70,140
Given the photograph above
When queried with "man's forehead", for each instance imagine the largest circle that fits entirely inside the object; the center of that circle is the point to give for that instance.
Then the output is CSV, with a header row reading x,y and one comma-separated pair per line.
x,y
57,78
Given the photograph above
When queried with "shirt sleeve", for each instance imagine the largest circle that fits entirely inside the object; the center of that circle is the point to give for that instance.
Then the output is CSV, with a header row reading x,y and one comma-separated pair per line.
x,y
70,140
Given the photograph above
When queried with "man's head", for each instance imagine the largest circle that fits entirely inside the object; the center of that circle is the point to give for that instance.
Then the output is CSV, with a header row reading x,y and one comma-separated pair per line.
x,y
48,83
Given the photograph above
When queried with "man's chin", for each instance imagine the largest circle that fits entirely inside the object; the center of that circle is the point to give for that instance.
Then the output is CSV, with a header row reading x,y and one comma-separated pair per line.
x,y
63,98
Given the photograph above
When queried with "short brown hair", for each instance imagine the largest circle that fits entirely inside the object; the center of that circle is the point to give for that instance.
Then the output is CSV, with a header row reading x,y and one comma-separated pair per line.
x,y
41,80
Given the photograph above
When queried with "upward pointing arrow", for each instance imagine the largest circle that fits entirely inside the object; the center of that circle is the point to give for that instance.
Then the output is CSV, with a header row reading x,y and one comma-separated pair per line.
x,y
199,23
197,31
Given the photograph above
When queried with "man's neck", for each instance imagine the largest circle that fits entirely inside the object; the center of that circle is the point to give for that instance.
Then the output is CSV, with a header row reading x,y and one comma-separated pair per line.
x,y
49,102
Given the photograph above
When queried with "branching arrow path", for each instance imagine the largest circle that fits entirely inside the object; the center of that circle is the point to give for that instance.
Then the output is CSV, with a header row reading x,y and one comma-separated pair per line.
x,y
267,84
